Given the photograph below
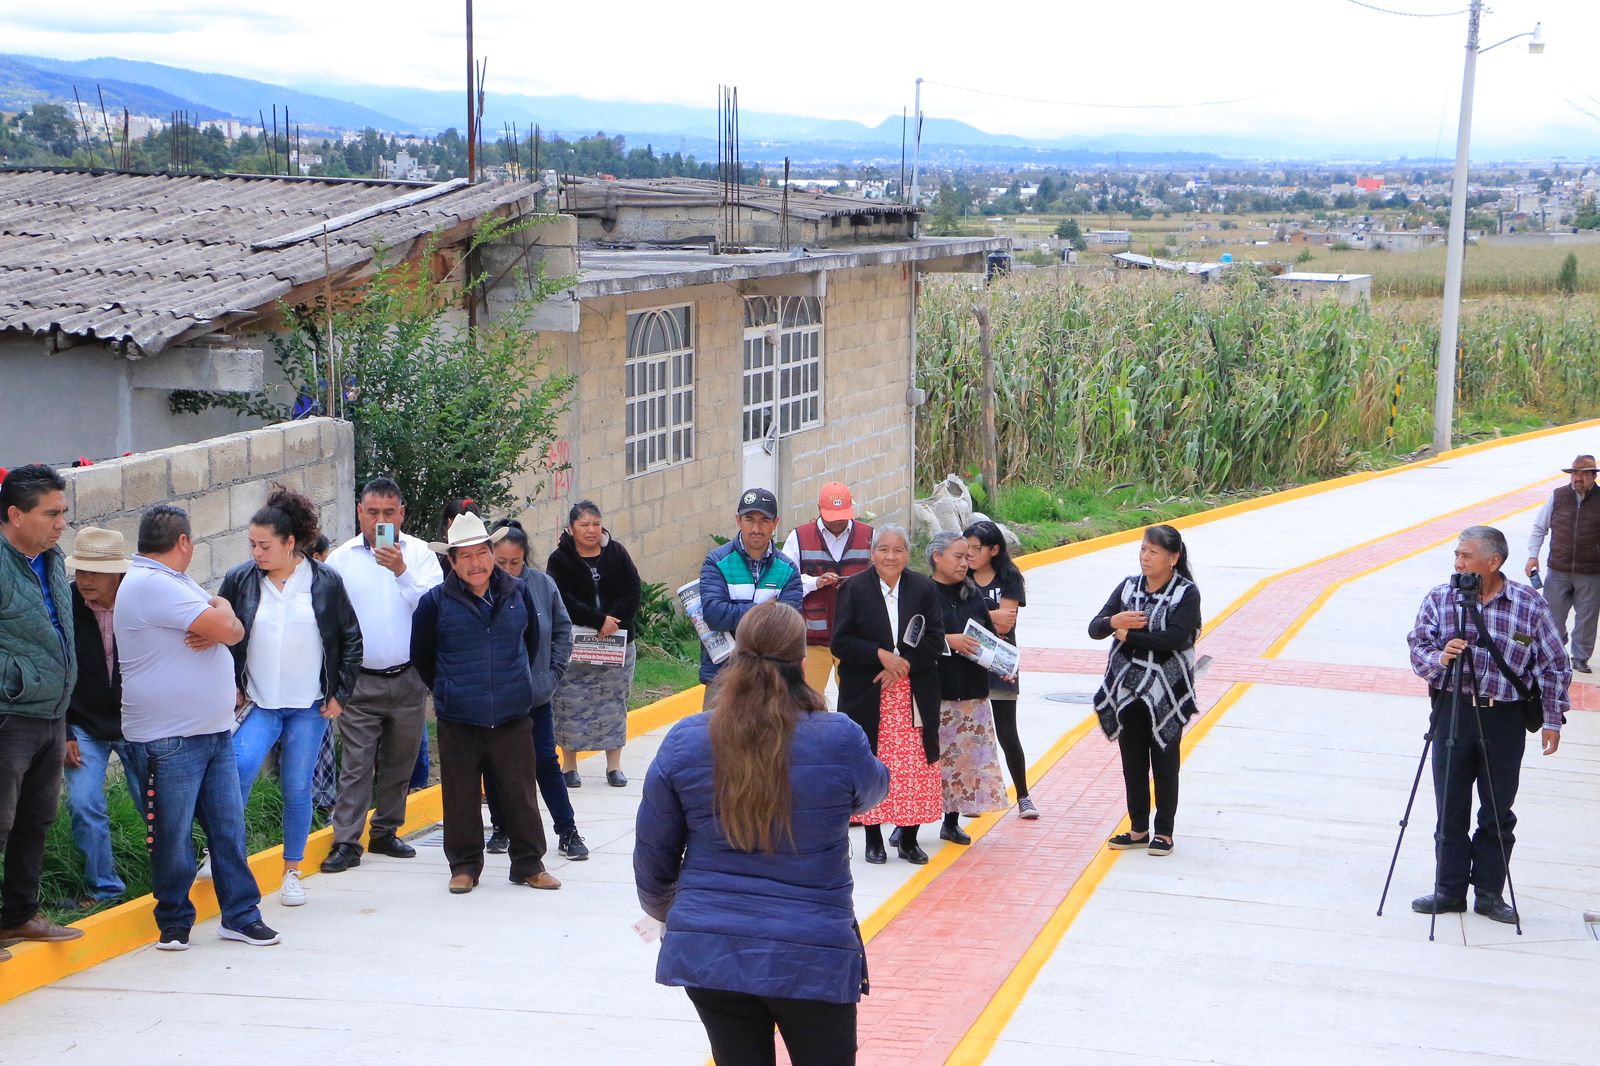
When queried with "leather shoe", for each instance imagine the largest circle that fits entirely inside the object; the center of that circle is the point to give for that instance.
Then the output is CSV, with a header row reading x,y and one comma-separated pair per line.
x,y
912,853
876,855
543,879
341,858
1438,903
461,884
1494,907
38,928
894,837
5,956
391,846
954,834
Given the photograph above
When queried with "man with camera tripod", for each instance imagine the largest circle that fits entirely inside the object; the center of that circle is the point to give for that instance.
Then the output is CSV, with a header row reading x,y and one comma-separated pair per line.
x,y
1495,642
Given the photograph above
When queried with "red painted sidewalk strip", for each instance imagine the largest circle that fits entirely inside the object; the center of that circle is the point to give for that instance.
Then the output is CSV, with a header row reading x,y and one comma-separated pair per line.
x,y
937,965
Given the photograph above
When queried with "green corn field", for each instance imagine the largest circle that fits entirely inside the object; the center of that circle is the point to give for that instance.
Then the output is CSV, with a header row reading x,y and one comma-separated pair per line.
x,y
1223,387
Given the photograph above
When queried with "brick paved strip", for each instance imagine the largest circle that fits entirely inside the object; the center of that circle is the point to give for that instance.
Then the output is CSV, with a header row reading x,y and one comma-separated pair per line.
x,y
937,964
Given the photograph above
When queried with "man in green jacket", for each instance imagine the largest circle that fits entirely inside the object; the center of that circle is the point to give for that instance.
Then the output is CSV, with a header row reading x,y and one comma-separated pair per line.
x,y
38,664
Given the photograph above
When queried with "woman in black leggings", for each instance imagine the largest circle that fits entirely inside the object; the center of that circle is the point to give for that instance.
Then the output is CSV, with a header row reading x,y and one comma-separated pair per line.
x,y
1148,691
998,578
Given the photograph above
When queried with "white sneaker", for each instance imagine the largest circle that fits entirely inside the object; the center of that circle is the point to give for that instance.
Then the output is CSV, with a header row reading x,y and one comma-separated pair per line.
x,y
204,873
292,894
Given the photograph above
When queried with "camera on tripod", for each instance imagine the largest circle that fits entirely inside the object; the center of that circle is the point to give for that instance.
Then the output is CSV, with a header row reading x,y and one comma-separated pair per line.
x,y
1467,582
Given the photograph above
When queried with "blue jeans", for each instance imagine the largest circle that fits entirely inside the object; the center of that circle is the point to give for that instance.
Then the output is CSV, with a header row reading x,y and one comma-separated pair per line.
x,y
196,777
302,730
91,826
547,768
419,772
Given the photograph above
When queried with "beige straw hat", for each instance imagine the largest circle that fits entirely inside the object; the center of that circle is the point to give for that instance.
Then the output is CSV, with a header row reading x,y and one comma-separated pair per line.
x,y
99,551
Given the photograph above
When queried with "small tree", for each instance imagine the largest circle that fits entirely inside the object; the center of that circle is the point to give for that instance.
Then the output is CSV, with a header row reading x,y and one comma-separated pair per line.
x,y
1068,229
1567,279
446,410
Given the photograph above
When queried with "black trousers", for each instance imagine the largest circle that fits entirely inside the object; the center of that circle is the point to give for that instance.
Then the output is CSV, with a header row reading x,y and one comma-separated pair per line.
x,y
1005,730
1142,759
740,1028
1477,860
466,754
32,751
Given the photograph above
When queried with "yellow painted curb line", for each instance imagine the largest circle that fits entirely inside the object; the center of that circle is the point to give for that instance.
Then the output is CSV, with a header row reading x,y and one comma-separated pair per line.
x,y
1255,503
131,925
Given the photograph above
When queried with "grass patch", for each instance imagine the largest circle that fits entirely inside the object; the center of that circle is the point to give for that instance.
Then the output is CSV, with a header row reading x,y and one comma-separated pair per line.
x,y
62,882
658,675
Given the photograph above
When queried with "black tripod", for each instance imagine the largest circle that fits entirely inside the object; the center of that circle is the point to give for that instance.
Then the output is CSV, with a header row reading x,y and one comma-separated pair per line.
x,y
1461,670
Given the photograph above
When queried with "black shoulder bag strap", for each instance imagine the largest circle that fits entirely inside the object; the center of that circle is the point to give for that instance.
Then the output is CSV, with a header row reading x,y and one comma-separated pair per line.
x,y
1532,702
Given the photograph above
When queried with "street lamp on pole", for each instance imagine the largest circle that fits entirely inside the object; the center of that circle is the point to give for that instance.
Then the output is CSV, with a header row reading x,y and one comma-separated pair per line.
x,y
1450,320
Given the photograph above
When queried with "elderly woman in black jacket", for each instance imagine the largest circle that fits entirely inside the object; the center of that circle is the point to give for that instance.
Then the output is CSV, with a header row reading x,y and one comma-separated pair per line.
x,y
600,587
1148,691
296,665
888,636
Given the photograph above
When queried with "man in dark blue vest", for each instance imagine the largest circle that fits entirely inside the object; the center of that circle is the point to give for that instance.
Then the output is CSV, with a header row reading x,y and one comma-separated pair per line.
x,y
474,640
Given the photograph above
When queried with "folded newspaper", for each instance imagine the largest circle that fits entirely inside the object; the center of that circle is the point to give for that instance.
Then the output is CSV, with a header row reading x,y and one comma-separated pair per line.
x,y
718,645
588,646
993,654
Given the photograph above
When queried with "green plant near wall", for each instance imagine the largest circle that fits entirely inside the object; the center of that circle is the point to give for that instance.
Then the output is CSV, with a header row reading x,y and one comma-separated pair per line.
x,y
446,410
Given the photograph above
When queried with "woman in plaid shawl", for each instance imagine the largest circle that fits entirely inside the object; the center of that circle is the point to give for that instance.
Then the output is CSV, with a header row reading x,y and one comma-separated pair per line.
x,y
1148,691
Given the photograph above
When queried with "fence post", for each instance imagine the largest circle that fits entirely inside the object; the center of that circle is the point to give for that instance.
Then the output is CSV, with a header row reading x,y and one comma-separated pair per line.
x,y
991,446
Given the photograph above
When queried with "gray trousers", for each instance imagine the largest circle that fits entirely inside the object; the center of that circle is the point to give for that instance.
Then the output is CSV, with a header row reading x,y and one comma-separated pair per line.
x,y
1580,594
379,733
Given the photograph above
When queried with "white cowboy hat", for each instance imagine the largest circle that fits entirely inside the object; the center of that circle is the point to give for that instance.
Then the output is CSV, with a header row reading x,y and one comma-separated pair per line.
x,y
466,530
99,551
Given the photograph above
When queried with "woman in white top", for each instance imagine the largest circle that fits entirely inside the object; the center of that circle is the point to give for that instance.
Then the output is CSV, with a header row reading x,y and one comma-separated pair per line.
x,y
296,665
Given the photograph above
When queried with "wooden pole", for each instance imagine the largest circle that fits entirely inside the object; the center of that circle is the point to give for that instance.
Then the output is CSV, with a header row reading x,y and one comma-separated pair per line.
x,y
991,446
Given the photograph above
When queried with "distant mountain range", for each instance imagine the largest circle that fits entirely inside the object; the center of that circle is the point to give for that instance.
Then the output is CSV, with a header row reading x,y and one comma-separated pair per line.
x,y
152,88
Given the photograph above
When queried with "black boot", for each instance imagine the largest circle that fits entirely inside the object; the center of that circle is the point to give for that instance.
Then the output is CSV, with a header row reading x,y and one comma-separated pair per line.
x,y
908,849
875,853
951,830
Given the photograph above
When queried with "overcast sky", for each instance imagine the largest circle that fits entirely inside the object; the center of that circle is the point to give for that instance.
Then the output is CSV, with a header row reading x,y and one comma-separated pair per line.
x,y
1346,70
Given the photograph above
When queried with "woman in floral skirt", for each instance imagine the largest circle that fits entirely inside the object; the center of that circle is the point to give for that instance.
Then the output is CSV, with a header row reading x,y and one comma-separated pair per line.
x,y
969,761
888,636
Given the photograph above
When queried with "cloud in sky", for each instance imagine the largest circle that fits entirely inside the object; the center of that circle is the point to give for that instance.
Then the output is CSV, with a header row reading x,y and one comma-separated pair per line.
x,y
1329,67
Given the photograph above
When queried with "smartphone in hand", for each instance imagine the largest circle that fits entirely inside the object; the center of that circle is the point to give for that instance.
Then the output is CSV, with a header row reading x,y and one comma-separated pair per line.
x,y
383,535
1535,580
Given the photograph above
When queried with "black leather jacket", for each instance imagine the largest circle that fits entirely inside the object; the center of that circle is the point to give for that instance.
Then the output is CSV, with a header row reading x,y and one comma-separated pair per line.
x,y
336,621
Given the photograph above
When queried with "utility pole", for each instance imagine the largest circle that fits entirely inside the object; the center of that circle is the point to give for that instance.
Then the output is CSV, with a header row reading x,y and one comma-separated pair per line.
x,y
1450,321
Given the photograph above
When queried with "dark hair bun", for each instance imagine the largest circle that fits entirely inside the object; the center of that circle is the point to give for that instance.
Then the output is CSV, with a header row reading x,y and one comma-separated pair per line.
x,y
304,522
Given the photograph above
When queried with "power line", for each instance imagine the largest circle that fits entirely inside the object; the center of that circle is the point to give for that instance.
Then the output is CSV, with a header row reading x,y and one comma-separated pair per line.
x,y
1408,14
1095,104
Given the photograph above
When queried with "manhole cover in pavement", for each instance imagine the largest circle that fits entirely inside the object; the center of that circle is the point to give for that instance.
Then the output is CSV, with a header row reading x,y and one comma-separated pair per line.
x,y
1071,697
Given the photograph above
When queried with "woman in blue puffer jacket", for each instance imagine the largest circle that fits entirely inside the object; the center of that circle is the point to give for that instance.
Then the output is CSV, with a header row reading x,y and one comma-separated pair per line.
x,y
742,849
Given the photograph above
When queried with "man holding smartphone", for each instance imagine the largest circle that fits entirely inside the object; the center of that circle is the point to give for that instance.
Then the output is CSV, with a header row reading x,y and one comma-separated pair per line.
x,y
385,573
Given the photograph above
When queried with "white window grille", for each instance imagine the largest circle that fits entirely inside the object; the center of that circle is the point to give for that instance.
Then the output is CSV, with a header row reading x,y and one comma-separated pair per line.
x,y
659,389
782,365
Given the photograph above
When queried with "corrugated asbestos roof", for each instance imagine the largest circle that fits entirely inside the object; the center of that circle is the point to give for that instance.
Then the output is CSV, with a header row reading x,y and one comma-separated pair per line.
x,y
142,259
598,197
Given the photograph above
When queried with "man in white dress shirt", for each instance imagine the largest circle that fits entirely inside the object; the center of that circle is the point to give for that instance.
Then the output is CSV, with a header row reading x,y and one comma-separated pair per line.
x,y
383,723
827,551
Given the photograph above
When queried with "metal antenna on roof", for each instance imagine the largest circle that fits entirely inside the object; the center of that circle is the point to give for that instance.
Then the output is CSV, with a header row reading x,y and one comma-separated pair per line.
x,y
784,228
127,150
111,153
285,139
274,138
901,189
84,126
472,104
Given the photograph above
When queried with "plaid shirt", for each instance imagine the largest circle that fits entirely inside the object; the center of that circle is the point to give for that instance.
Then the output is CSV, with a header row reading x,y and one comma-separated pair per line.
x,y
1522,628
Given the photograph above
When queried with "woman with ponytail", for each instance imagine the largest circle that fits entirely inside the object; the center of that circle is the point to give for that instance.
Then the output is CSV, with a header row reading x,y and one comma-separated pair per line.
x,y
297,663
1148,691
742,849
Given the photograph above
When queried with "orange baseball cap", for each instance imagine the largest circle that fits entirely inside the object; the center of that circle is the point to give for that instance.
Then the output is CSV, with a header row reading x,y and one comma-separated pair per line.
x,y
835,502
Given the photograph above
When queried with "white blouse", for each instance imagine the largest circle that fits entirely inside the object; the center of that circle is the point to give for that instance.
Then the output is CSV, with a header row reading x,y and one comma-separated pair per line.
x,y
283,664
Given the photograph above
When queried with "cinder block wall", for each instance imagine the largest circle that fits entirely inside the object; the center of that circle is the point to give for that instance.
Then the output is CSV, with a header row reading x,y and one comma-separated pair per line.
x,y
221,482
